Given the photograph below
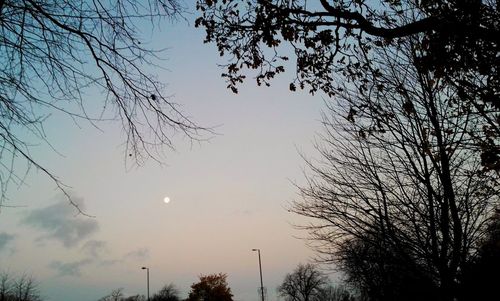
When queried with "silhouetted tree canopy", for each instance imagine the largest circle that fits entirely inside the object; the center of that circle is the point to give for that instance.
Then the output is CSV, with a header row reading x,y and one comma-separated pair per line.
x,y
22,288
166,293
118,295
212,287
135,298
398,177
303,284
480,277
386,272
458,42
337,293
308,283
58,56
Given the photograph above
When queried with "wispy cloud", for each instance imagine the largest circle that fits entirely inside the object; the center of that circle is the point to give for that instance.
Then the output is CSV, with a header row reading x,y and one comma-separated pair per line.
x,y
95,248
70,268
5,239
60,222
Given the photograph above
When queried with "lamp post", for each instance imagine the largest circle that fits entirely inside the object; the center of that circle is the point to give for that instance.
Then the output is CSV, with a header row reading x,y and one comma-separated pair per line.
x,y
147,269
260,269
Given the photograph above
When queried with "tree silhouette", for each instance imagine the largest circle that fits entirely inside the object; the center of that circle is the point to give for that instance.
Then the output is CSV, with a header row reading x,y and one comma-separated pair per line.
x,y
480,276
457,42
305,283
212,287
22,288
167,293
115,295
336,293
135,298
382,272
5,286
118,295
308,283
397,174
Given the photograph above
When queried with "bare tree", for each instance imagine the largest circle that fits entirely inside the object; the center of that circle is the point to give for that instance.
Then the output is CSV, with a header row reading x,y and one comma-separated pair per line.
x,y
55,55
305,283
479,279
5,286
115,295
25,288
383,272
397,171
135,298
335,293
167,293
22,288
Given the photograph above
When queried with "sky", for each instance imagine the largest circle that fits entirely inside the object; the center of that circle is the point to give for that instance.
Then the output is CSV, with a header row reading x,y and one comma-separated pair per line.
x,y
228,194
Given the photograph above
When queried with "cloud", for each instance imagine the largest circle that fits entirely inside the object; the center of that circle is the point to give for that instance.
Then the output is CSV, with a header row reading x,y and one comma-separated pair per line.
x,y
61,222
5,239
139,254
69,268
95,248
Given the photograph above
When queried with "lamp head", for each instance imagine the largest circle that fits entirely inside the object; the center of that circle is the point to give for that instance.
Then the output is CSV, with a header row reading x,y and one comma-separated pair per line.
x,y
255,249
144,268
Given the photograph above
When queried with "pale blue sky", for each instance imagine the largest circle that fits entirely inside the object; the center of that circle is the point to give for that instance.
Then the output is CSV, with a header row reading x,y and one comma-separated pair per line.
x,y
229,195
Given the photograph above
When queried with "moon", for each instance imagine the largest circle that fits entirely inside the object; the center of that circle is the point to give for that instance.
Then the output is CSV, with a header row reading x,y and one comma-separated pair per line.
x,y
166,200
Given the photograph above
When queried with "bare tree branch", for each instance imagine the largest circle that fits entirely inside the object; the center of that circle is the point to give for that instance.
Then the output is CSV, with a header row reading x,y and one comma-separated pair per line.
x,y
56,54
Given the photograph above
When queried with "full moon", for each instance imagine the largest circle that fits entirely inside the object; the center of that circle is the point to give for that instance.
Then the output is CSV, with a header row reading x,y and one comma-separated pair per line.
x,y
166,200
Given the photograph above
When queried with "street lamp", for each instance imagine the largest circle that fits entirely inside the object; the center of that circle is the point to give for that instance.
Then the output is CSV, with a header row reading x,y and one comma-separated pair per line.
x,y
147,269
260,269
